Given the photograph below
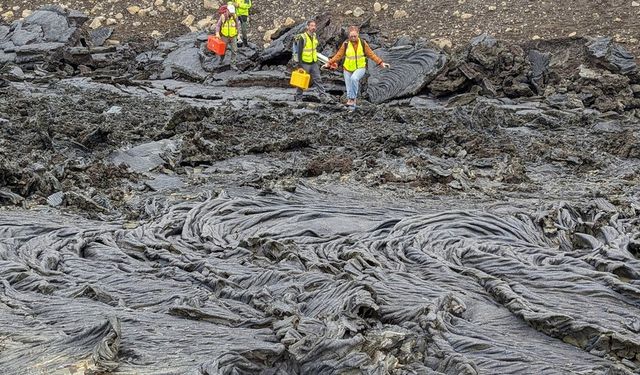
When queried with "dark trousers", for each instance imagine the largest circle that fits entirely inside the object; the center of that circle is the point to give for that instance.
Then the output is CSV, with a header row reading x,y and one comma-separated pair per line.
x,y
232,45
316,81
244,25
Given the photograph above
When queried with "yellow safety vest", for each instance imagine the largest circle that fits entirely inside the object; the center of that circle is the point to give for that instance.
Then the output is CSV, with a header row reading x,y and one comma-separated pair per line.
x,y
354,59
242,7
309,53
229,28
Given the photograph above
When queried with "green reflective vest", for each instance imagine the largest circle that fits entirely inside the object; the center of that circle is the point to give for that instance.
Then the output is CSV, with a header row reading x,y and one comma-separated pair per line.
x,y
242,7
229,28
309,53
354,59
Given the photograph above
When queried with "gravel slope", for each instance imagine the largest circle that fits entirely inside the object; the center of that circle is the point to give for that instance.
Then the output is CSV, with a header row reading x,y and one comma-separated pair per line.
x,y
448,21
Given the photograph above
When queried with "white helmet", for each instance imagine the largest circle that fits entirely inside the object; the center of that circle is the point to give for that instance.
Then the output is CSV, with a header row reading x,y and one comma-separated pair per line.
x,y
231,8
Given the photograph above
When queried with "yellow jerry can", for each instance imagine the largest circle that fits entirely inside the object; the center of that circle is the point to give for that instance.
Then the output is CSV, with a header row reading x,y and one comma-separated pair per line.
x,y
300,79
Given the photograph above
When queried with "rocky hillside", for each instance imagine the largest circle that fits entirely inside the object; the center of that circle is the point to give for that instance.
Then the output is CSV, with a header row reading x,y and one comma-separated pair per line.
x,y
448,22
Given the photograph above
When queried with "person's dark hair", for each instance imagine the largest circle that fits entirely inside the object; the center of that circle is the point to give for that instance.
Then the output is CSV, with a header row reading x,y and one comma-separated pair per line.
x,y
310,21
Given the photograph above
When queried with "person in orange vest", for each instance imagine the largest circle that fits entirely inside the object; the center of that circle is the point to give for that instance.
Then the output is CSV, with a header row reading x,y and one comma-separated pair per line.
x,y
355,52
227,30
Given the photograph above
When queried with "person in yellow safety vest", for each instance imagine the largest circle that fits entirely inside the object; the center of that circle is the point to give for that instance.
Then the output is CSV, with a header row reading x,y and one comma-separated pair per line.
x,y
355,52
306,55
242,10
227,30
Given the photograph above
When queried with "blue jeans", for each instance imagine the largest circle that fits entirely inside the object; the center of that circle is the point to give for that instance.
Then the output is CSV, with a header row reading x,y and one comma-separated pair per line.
x,y
352,82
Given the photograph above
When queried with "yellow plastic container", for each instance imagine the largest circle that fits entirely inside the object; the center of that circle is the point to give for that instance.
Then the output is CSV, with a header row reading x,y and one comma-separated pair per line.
x,y
300,79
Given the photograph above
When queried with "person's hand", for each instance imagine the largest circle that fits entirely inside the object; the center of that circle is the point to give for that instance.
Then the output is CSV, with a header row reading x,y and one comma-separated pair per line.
x,y
218,35
385,65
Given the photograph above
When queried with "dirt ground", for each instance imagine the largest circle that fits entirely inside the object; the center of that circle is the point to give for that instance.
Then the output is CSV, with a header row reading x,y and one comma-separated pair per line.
x,y
454,21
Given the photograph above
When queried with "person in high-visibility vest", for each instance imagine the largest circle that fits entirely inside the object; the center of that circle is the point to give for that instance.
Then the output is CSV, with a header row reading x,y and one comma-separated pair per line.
x,y
242,10
305,53
227,30
355,52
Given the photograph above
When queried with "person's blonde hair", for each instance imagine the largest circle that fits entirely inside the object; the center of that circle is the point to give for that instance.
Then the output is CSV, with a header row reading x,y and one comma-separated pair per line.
x,y
353,28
